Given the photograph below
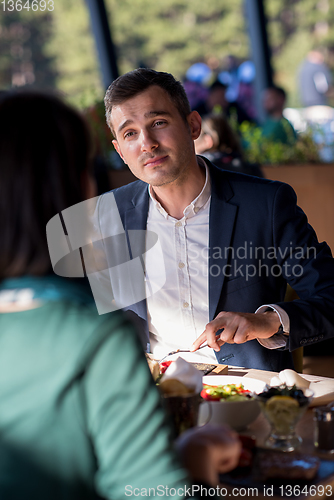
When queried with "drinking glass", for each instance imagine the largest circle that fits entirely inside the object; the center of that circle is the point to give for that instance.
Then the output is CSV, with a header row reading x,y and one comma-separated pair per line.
x,y
283,413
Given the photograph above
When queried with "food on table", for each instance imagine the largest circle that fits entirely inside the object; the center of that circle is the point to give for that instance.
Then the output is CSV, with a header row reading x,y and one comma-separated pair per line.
x,y
153,366
185,373
227,392
164,365
283,406
205,368
289,466
174,387
180,386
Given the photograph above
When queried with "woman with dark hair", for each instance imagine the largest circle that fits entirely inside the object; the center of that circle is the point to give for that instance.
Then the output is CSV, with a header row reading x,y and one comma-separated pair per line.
x,y
220,144
217,136
80,416
46,152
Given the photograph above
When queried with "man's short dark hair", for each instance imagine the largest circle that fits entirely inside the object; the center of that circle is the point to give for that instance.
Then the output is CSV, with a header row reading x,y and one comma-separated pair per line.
x,y
139,80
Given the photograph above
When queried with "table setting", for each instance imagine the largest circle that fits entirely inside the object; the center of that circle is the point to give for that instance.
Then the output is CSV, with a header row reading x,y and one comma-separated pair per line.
x,y
285,423
322,484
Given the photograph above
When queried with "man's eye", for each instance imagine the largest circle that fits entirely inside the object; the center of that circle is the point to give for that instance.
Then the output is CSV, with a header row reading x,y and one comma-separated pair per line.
x,y
158,123
128,134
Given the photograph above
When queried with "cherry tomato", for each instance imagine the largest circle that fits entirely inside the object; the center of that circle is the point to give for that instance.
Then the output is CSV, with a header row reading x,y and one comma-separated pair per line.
x,y
209,397
164,365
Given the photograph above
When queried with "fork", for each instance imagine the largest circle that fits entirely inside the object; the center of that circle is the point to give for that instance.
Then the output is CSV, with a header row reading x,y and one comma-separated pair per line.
x,y
225,358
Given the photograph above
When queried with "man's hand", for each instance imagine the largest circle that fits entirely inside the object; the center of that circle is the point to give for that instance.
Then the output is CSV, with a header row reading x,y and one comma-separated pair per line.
x,y
238,328
209,451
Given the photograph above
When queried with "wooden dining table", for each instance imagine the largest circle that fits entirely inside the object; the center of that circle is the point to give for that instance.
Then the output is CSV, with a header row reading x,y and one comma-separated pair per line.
x,y
260,429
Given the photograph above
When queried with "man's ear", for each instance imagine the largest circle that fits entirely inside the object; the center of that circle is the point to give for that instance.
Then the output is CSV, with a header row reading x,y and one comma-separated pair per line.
x,y
195,122
118,149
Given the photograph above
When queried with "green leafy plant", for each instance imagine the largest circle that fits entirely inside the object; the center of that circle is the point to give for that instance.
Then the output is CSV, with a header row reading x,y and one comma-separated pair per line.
x,y
264,150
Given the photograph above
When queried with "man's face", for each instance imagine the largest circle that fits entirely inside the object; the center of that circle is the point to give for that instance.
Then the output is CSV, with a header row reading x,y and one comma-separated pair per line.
x,y
153,139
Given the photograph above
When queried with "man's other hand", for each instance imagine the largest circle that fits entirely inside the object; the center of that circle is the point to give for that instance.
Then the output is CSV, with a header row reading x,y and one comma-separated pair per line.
x,y
238,328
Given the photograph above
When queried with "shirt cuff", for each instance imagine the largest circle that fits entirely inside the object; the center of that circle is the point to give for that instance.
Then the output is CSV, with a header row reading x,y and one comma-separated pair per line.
x,y
279,339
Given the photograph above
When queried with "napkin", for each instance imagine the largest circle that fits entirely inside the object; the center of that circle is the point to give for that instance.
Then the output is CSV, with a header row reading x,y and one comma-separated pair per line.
x,y
290,377
185,373
323,388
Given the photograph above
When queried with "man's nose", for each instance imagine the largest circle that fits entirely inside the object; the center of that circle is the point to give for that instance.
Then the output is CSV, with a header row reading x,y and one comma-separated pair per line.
x,y
148,141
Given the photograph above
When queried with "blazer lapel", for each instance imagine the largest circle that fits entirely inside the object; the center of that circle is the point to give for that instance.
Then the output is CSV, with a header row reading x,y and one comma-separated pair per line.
x,y
221,224
135,221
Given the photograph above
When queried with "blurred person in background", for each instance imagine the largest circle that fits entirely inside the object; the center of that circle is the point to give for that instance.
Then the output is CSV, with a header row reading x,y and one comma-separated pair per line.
x,y
196,85
221,145
246,94
315,80
75,422
276,127
217,103
230,77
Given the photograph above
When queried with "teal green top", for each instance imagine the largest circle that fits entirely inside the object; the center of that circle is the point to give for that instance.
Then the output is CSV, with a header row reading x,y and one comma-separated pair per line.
x,y
279,130
80,416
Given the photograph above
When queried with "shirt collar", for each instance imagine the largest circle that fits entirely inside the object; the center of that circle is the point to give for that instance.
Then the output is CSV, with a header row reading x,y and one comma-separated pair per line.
x,y
196,205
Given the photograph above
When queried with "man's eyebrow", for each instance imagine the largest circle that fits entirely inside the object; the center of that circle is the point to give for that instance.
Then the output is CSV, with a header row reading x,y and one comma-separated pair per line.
x,y
149,114
156,113
123,125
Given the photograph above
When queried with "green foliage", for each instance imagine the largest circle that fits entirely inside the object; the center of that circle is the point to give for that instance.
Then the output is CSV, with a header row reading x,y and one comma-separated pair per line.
x,y
23,57
58,50
172,34
73,49
263,150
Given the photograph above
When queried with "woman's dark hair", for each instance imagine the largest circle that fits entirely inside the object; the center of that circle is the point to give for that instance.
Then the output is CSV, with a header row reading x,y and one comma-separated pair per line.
x,y
223,136
135,82
45,146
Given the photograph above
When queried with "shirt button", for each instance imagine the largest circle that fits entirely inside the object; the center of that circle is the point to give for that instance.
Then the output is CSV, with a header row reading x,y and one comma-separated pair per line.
x,y
196,210
185,304
181,265
178,224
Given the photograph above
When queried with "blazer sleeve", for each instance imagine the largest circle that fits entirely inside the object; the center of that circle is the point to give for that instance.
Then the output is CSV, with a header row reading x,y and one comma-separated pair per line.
x,y
308,266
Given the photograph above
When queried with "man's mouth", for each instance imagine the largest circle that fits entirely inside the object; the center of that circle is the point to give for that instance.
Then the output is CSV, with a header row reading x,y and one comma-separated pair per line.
x,y
153,162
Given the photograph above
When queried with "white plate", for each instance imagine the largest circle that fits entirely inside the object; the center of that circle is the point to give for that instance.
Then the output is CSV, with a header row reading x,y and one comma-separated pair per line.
x,y
250,384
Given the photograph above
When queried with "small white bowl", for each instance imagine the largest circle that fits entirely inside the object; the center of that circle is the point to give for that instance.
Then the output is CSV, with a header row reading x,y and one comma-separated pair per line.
x,y
237,414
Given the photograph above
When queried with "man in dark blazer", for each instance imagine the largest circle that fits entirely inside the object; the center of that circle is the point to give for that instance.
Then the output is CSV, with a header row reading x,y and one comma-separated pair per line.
x,y
258,239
